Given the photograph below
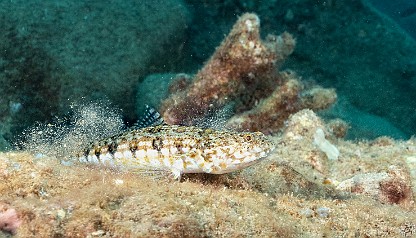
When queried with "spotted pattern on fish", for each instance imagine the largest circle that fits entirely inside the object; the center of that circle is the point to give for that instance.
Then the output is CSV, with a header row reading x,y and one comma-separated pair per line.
x,y
180,149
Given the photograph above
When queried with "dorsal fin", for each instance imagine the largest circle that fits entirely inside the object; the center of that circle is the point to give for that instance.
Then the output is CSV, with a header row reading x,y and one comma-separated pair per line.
x,y
151,117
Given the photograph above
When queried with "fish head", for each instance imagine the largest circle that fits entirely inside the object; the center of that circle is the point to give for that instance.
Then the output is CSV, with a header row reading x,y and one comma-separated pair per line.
x,y
241,150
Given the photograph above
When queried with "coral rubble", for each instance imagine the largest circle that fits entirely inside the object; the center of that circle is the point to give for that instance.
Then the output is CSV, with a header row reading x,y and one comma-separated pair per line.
x,y
243,70
393,186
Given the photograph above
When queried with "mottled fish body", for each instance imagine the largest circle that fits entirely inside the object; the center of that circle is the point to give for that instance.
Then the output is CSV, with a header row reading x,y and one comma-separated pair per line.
x,y
179,149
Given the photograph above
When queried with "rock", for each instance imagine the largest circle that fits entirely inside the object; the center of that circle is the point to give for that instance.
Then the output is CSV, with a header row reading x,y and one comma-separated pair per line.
x,y
369,61
302,126
82,51
393,186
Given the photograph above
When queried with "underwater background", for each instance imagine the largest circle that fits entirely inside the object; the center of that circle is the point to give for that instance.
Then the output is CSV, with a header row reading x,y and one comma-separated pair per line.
x,y
329,86
54,53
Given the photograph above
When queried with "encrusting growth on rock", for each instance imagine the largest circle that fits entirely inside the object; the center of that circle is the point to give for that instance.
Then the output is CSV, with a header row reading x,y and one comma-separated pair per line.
x,y
237,65
9,219
244,70
392,186
272,112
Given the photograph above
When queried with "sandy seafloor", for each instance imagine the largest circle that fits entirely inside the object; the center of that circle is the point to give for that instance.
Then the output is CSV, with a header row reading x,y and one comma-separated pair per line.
x,y
290,194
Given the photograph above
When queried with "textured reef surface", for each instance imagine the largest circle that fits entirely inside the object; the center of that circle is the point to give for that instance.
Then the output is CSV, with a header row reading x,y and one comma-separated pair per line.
x,y
367,191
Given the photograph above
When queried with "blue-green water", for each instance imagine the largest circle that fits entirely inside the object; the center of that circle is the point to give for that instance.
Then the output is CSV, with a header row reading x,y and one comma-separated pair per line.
x,y
54,53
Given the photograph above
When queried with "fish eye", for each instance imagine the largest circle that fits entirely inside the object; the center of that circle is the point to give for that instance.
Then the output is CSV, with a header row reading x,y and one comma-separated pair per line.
x,y
247,137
